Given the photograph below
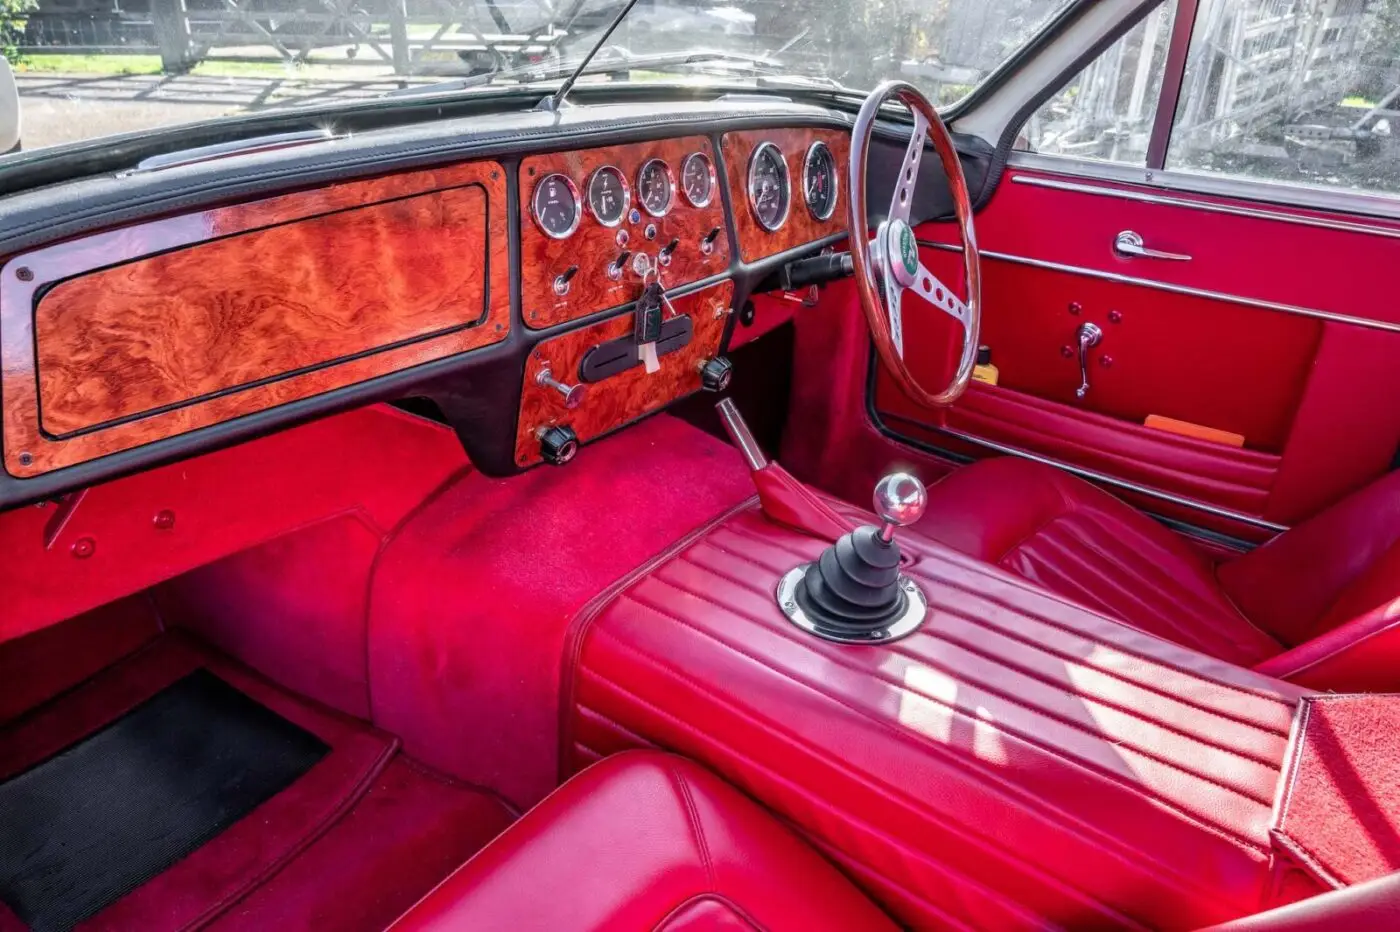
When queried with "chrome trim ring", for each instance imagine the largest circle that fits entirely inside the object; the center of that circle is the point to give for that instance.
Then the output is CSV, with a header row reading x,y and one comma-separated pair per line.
x,y
535,208
670,187
786,181
709,169
915,609
835,179
626,195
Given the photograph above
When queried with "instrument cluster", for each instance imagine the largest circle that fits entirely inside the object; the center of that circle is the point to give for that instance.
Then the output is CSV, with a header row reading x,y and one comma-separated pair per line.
x,y
770,190
764,166
604,221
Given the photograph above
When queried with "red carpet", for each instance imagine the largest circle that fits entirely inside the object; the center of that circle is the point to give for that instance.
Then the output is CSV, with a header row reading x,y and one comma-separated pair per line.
x,y
351,844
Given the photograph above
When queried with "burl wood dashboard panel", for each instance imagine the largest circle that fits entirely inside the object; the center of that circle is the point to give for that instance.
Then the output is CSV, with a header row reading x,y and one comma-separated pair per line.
x,y
801,227
139,334
592,246
624,397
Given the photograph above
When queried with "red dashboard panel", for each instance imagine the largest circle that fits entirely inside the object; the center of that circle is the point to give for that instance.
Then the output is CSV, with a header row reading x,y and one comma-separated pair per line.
x,y
143,333
593,246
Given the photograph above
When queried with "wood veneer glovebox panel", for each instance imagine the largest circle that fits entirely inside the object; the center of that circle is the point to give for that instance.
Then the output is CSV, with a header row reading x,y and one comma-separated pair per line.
x,y
134,335
628,395
592,247
801,227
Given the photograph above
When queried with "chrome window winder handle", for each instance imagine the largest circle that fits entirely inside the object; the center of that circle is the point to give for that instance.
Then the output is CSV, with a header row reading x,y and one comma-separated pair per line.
x,y
1129,245
1089,336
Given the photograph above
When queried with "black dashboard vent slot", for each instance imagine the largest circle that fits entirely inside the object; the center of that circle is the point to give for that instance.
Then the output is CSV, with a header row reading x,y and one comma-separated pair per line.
x,y
619,355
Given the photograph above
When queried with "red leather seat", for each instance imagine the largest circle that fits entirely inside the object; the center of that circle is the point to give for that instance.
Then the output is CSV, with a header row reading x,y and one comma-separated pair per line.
x,y
645,840
1318,604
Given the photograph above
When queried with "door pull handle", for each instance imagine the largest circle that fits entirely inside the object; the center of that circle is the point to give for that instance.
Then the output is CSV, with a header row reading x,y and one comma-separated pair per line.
x,y
1129,245
1089,336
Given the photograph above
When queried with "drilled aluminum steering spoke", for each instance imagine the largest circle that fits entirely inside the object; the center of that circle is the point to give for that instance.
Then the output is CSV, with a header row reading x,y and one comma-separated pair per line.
x,y
928,287
894,308
909,170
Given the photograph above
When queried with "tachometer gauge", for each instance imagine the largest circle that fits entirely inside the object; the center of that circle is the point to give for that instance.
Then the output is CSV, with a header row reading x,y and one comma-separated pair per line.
x,y
819,181
655,187
770,192
698,179
608,196
554,205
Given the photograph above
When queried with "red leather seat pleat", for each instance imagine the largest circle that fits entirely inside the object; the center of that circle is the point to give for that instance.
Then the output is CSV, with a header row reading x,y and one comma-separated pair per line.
x,y
640,842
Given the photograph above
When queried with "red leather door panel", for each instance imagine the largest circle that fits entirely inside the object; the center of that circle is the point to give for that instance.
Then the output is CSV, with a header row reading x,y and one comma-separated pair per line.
x,y
1273,330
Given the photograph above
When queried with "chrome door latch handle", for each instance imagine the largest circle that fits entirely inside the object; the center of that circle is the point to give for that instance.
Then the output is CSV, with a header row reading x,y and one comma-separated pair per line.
x,y
1129,245
1089,336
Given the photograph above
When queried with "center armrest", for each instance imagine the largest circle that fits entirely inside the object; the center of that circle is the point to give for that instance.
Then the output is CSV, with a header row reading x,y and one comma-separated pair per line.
x,y
1018,760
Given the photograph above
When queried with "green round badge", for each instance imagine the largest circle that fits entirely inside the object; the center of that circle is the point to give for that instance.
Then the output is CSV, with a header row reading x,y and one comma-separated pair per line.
x,y
908,250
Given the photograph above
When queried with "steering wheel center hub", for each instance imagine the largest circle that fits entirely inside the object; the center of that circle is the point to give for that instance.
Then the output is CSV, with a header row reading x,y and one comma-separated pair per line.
x,y
902,252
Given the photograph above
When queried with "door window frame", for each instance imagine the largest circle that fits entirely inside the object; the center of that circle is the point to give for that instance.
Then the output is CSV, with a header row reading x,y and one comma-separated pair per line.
x,y
1237,187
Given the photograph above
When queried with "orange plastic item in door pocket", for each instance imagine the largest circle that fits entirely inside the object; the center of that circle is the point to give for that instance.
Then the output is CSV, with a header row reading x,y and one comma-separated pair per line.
x,y
1199,431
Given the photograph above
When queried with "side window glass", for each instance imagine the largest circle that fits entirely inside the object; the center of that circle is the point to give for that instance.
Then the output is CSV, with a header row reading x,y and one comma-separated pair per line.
x,y
1299,91
1106,111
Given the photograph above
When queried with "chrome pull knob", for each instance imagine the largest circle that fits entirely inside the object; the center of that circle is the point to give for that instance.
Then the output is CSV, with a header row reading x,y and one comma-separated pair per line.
x,y
900,499
1129,245
1089,337
573,394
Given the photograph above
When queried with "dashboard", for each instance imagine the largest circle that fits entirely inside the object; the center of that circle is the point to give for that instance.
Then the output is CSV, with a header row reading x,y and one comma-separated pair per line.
x,y
506,289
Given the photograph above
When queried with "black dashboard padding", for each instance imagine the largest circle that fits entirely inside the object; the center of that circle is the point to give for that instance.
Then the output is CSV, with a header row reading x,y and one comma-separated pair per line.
x,y
614,356
933,200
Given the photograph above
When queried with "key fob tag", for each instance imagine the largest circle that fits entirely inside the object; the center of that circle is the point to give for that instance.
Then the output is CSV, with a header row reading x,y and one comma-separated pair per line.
x,y
647,328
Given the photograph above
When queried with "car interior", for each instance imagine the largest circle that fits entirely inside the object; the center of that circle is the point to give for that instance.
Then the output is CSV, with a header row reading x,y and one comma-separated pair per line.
x,y
700,509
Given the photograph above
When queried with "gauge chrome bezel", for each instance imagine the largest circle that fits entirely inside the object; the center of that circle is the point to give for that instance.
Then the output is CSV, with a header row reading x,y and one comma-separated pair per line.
x,y
626,195
670,187
709,171
786,182
535,207
812,151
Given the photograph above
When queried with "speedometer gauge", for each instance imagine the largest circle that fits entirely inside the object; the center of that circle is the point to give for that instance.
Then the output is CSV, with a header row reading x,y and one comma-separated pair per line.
x,y
698,179
770,192
655,187
819,181
608,196
554,205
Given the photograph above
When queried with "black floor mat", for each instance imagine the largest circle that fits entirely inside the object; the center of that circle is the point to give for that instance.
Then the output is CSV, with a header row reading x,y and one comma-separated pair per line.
x,y
102,817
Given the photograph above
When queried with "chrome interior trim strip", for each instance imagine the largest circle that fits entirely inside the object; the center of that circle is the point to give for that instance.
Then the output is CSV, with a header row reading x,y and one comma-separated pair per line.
x,y
1175,289
1099,477
1144,197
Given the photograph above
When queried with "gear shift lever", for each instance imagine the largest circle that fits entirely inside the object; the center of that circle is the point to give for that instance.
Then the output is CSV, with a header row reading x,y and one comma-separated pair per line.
x,y
900,500
854,592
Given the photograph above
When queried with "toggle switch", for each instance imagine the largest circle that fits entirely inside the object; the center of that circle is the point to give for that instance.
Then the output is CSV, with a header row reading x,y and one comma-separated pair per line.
x,y
707,245
664,256
616,267
561,282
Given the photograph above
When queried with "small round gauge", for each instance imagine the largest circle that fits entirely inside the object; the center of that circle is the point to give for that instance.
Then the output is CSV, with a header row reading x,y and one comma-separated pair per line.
x,y
608,196
819,181
555,206
698,179
655,187
770,192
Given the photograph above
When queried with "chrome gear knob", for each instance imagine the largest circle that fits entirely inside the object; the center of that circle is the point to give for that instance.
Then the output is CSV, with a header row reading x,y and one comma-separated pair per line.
x,y
900,499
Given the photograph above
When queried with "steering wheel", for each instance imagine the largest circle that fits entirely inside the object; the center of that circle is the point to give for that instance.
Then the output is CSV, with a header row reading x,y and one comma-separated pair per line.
x,y
889,264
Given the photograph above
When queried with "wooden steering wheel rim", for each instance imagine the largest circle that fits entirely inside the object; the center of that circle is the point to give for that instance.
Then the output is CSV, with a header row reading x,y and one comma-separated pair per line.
x,y
868,285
